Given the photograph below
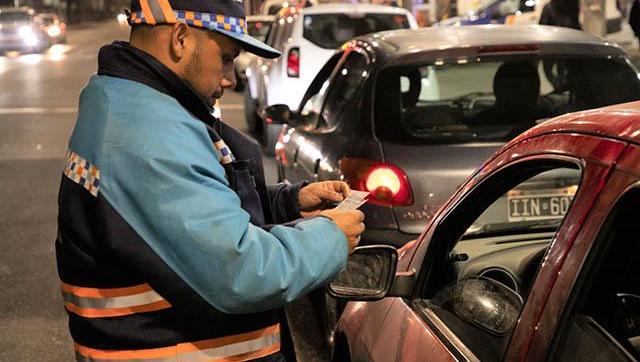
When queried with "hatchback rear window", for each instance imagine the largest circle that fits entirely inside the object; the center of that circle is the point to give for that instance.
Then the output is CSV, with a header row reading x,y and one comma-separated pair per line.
x,y
330,31
494,100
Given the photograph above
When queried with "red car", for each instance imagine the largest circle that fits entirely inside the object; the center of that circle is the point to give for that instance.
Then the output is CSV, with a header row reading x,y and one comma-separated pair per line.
x,y
559,281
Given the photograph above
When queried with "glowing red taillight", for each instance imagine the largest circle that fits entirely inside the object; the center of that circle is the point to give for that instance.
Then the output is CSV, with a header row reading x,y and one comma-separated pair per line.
x,y
387,183
293,63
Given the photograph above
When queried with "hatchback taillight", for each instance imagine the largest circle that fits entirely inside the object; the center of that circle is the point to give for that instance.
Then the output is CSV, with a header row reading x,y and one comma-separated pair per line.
x,y
293,63
386,182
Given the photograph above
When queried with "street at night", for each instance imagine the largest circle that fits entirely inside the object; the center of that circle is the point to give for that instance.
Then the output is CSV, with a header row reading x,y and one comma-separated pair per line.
x,y
494,152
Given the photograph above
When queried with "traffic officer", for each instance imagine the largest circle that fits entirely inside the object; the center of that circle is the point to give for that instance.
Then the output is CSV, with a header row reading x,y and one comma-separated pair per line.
x,y
170,245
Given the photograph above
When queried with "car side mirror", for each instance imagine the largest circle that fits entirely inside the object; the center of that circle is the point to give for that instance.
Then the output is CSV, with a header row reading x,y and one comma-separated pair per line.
x,y
369,275
279,114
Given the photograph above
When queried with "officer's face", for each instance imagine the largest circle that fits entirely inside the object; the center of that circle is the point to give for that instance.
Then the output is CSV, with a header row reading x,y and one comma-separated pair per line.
x,y
210,69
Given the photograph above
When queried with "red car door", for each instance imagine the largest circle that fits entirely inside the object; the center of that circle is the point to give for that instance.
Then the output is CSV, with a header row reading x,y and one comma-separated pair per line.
x,y
622,183
416,329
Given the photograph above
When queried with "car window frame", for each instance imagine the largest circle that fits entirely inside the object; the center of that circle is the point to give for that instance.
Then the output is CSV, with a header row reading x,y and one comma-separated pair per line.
x,y
324,75
453,343
320,125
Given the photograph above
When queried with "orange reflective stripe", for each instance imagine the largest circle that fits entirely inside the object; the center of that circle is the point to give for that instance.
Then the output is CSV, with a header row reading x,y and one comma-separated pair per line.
x,y
251,355
218,349
169,15
116,312
105,292
223,341
148,14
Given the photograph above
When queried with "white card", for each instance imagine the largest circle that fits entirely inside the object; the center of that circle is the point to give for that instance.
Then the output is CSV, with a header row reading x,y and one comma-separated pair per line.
x,y
354,201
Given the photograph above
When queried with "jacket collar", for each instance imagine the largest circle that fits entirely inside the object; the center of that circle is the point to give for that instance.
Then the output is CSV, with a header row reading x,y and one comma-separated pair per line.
x,y
121,60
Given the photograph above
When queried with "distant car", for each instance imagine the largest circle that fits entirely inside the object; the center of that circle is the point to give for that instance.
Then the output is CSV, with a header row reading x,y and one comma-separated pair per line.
x,y
518,12
54,27
19,31
258,27
308,37
539,288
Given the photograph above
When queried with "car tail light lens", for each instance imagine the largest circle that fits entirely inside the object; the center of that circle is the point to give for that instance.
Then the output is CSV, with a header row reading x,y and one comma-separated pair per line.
x,y
293,63
386,182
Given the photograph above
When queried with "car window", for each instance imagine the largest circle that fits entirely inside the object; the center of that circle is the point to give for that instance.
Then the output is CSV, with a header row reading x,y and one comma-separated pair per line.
x,y
283,33
341,99
258,29
271,34
273,9
494,99
603,322
313,99
16,16
489,250
330,31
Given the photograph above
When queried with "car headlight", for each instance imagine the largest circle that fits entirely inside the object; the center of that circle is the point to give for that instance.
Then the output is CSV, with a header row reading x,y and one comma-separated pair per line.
x,y
28,36
54,31
25,31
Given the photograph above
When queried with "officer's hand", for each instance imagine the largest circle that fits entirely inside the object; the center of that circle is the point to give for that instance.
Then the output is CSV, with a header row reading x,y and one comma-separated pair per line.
x,y
317,196
350,222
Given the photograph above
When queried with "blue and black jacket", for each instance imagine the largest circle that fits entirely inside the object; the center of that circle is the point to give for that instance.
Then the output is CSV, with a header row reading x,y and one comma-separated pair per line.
x,y
169,244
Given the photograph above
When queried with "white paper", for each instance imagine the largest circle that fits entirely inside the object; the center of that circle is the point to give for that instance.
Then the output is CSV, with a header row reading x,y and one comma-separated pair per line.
x,y
354,201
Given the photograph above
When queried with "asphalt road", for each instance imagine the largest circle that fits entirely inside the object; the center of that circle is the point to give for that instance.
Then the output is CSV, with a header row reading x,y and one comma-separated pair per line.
x,y
37,112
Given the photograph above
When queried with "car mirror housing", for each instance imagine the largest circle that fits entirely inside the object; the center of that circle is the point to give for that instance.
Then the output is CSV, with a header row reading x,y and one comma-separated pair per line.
x,y
278,114
369,275
483,302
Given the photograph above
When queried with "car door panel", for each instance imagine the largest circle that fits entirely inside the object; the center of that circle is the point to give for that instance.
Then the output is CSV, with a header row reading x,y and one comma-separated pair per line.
x,y
621,179
406,337
601,154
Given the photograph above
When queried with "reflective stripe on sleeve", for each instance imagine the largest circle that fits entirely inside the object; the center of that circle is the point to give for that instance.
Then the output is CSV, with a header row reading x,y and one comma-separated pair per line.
x,y
240,347
112,302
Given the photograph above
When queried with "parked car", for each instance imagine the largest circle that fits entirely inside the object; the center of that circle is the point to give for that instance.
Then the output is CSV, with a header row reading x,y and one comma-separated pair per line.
x,y
517,12
19,31
308,37
53,26
408,115
258,27
535,289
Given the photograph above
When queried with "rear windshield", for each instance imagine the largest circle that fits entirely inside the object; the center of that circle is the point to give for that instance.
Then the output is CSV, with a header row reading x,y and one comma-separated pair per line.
x,y
494,100
258,29
330,31
14,16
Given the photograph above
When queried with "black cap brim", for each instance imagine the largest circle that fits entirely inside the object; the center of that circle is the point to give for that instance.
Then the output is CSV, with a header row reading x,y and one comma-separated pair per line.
x,y
251,44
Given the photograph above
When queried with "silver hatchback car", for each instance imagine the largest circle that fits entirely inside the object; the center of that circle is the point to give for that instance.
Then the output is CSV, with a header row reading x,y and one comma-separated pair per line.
x,y
409,114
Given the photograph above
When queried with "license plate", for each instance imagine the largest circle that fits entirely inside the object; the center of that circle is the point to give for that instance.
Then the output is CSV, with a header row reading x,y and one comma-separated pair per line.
x,y
525,206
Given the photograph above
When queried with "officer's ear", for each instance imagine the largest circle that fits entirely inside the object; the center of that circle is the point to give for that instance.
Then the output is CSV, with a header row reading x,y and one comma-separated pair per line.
x,y
182,41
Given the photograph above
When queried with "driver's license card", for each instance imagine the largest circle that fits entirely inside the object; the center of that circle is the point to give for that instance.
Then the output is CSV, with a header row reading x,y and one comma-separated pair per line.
x,y
354,201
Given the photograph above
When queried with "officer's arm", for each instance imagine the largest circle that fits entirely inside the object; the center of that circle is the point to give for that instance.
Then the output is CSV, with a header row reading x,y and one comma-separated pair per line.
x,y
284,202
171,190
